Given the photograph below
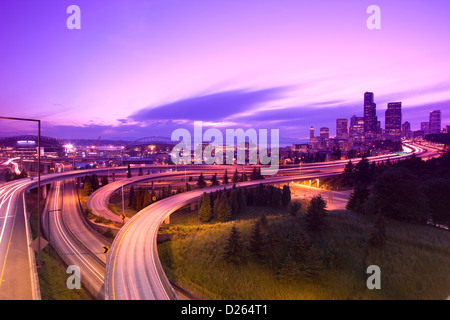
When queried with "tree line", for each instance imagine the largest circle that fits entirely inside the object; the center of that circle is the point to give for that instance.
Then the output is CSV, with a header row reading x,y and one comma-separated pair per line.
x,y
410,190
223,204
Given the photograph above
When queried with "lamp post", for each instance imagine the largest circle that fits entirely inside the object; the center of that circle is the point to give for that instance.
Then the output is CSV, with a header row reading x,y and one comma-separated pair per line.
x,y
39,180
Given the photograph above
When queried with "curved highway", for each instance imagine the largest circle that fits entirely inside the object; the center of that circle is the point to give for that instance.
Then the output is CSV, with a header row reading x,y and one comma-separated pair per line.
x,y
133,269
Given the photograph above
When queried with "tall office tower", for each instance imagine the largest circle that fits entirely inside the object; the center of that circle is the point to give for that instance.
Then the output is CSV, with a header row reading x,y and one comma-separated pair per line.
x,y
425,127
324,133
393,120
406,130
356,129
435,121
370,115
341,128
311,132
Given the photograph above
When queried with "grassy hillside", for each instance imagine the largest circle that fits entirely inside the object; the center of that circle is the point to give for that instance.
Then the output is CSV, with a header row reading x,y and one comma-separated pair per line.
x,y
415,262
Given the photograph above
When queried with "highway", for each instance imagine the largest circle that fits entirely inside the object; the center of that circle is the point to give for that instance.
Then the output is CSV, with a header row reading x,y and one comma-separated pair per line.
x,y
133,269
18,277
72,238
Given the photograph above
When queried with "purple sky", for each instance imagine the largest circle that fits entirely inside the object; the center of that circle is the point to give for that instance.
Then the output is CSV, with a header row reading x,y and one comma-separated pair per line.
x,y
141,68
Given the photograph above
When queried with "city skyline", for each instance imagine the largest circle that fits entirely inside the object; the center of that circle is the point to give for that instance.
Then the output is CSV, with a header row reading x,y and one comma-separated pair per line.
x,y
145,68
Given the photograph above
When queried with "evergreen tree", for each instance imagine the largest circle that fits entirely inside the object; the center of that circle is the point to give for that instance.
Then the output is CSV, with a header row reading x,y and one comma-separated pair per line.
x,y
254,175
294,208
234,202
346,179
362,172
357,198
316,212
225,179
300,247
94,182
234,247
214,180
205,208
275,197
286,196
312,267
256,240
224,210
104,180
289,270
87,187
201,181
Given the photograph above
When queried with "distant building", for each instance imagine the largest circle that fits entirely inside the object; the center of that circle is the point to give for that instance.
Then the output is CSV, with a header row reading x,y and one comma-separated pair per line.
x,y
425,127
341,128
324,133
406,130
370,116
393,120
435,121
356,131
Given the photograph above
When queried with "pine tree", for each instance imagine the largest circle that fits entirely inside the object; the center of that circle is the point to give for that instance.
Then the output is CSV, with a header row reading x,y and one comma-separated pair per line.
x,y
300,247
234,247
286,196
289,270
234,202
214,180
104,180
205,209
87,187
201,181
294,208
256,240
224,210
312,267
315,217
225,179
357,198
94,182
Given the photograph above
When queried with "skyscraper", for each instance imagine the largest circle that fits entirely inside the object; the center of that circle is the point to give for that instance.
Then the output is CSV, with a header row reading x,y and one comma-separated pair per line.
x,y
393,120
342,128
357,129
370,115
425,127
311,132
324,133
406,130
435,121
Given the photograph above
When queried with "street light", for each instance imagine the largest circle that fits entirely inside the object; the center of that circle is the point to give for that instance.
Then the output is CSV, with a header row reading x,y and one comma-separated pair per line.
x,y
39,179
